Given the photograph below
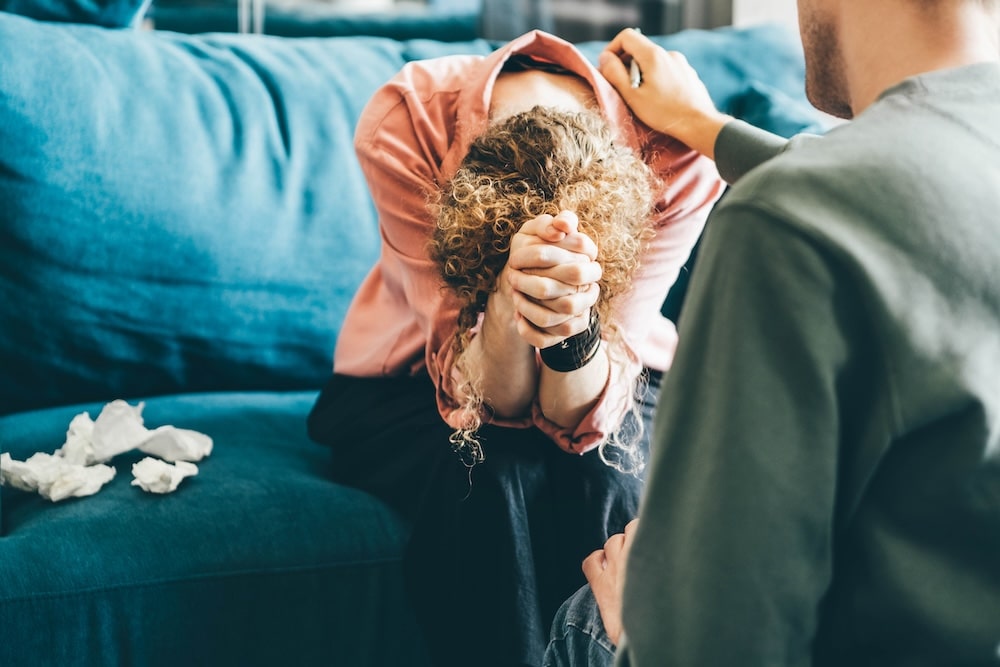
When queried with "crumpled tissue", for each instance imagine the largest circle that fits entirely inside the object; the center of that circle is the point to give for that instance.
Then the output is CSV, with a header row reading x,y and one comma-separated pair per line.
x,y
77,468
119,429
54,477
158,476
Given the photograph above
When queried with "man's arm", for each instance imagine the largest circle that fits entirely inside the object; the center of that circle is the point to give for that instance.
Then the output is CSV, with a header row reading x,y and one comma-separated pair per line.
x,y
733,551
739,147
672,99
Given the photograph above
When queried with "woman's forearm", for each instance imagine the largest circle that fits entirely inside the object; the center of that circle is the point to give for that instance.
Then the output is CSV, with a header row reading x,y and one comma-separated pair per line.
x,y
510,378
503,360
565,398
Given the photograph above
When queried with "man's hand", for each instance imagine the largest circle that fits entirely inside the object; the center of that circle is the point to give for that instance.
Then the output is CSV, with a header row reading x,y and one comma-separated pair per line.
x,y
552,273
671,99
605,572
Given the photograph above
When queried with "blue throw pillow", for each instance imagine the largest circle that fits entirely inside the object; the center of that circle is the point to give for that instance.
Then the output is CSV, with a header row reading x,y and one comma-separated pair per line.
x,y
765,106
108,13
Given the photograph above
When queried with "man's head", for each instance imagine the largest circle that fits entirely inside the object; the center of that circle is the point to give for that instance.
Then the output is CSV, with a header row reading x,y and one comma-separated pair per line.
x,y
855,49
826,73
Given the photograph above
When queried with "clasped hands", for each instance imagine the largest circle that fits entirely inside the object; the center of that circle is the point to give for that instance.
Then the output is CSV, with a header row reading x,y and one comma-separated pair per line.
x,y
551,278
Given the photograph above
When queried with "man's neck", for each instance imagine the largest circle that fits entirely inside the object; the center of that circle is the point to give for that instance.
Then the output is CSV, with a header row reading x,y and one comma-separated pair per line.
x,y
887,41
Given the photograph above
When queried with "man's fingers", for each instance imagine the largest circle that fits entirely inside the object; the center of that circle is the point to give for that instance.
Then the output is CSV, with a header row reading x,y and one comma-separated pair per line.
x,y
594,565
630,529
613,547
625,42
627,46
613,69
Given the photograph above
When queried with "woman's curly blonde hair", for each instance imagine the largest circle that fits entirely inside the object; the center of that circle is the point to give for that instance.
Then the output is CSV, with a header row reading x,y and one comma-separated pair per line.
x,y
541,161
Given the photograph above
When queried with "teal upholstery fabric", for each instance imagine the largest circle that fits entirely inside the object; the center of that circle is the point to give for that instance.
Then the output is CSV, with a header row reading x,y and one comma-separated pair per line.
x,y
107,13
185,213
181,214
257,560
322,19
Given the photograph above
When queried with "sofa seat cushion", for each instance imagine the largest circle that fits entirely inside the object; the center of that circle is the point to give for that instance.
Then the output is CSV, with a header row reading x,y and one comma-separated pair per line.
x,y
260,541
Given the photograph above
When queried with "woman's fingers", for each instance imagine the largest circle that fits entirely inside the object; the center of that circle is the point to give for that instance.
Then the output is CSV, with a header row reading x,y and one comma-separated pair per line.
x,y
558,281
546,337
564,316
553,278
560,231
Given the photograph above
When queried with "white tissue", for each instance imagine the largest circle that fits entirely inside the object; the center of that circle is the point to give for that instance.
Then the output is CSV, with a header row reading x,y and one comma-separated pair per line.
x,y
158,476
76,468
79,447
119,429
17,474
177,444
53,477
116,430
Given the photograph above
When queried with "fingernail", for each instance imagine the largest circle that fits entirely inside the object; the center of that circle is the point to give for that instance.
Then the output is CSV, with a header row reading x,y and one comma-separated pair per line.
x,y
569,216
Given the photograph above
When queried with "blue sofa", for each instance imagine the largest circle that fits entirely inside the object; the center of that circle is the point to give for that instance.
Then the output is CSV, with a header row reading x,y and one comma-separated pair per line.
x,y
446,20
182,222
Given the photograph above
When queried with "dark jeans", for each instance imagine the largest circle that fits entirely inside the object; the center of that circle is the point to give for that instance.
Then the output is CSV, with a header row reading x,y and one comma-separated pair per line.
x,y
494,551
578,637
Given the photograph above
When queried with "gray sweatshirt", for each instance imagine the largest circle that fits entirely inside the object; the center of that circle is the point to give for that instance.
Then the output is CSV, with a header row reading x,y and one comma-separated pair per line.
x,y
825,482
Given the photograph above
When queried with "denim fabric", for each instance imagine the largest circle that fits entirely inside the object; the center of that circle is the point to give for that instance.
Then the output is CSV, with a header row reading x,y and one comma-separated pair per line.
x,y
494,551
578,637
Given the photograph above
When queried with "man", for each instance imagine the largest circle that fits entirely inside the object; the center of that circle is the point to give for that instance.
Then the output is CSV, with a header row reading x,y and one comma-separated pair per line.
x,y
824,486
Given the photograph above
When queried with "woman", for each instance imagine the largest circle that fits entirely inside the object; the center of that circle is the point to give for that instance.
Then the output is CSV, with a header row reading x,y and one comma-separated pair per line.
x,y
494,374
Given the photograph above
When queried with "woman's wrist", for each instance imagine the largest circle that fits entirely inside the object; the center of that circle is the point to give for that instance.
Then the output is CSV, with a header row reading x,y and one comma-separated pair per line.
x,y
574,352
509,375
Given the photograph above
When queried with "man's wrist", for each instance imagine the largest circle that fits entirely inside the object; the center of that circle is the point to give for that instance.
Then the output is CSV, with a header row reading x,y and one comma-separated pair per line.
x,y
700,131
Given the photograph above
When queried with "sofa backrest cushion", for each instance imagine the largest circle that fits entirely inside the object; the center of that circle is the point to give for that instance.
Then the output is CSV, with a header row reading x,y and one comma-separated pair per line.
x,y
107,13
183,213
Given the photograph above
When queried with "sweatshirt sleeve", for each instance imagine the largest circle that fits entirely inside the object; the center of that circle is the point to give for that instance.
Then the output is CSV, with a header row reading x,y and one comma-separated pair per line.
x,y
733,552
740,147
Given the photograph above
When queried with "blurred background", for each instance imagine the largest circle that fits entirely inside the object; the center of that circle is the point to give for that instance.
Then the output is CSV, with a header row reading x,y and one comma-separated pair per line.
x,y
575,20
